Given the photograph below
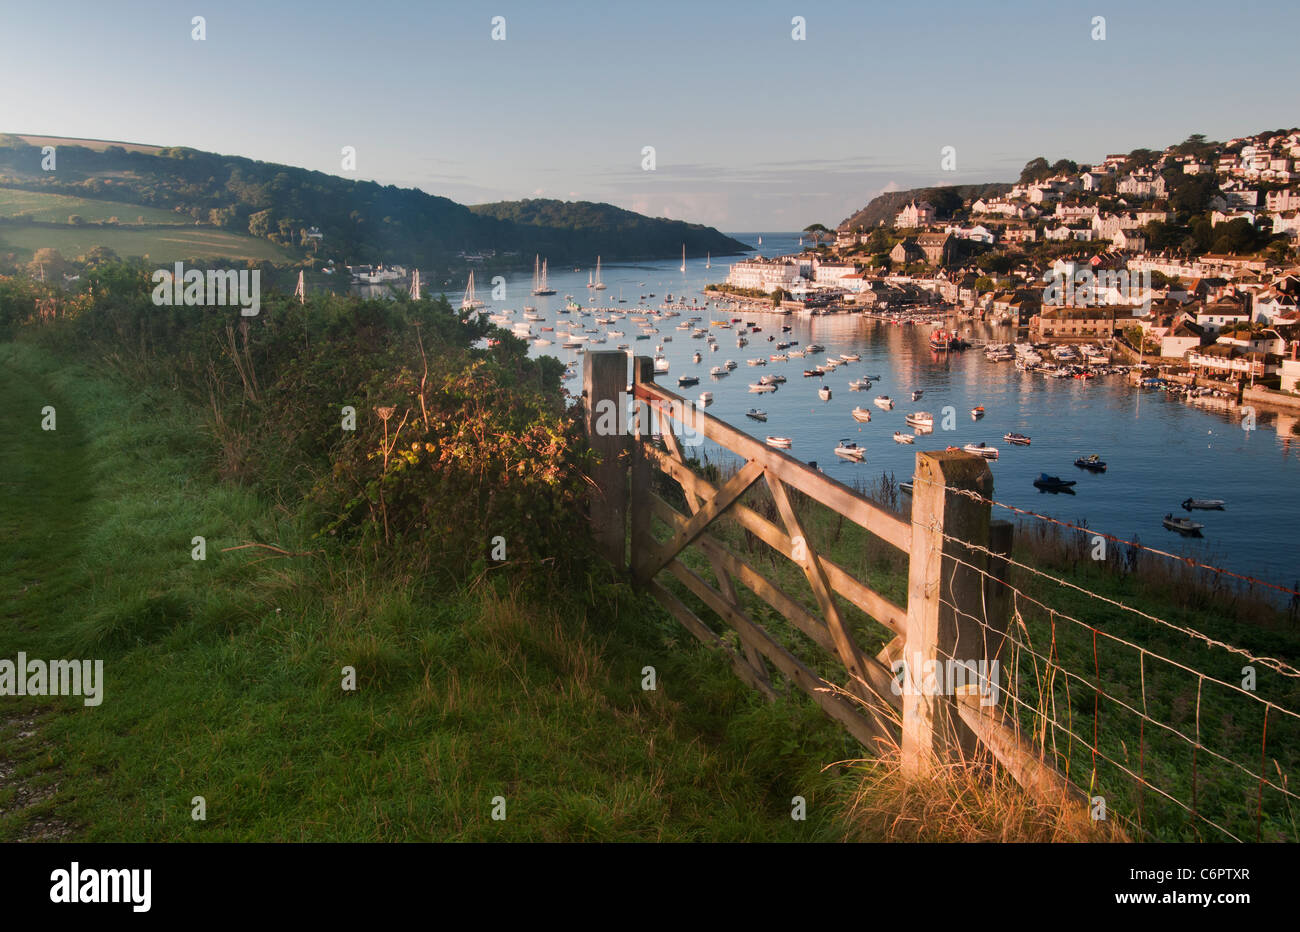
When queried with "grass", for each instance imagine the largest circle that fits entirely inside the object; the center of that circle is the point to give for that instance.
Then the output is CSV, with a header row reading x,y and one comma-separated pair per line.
x,y
223,677
158,245
47,207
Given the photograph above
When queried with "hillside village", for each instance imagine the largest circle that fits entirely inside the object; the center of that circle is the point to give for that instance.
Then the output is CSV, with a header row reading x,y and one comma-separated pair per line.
x,y
1192,251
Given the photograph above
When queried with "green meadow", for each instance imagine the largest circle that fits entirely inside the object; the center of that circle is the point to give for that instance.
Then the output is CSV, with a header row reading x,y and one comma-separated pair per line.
x,y
223,677
157,245
47,207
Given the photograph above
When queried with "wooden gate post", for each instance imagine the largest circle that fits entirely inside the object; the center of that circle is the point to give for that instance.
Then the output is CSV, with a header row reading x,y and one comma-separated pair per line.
x,y
604,390
945,602
643,371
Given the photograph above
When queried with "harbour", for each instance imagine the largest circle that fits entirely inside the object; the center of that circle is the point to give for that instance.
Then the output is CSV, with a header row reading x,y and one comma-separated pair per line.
x,y
1161,449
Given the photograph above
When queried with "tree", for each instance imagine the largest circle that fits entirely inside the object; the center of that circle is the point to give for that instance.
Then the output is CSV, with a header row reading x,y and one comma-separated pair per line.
x,y
1237,236
1142,158
1035,170
98,256
818,231
945,201
259,224
47,264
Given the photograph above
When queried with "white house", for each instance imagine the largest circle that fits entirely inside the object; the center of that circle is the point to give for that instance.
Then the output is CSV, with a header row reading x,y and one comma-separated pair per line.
x,y
914,215
1129,241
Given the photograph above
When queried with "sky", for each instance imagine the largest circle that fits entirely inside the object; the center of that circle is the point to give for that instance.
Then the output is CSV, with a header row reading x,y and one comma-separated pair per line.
x,y
752,129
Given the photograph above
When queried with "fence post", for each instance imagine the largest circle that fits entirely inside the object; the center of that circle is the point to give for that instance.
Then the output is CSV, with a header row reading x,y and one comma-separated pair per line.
x,y
643,371
604,387
945,602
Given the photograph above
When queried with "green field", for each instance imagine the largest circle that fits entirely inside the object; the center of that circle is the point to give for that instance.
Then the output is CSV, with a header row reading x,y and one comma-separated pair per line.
x,y
48,207
157,245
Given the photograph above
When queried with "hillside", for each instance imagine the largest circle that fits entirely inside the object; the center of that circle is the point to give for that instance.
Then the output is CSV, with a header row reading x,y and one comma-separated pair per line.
x,y
591,227
883,207
358,221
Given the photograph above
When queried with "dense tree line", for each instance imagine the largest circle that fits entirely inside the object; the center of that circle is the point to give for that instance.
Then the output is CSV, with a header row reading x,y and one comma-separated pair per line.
x,y
360,221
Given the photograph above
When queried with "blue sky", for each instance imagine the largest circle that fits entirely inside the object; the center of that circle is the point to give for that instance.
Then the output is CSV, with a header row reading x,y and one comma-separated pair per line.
x,y
752,130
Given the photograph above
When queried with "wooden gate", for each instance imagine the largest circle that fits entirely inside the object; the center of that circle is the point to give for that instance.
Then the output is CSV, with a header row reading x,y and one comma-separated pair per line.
x,y
951,595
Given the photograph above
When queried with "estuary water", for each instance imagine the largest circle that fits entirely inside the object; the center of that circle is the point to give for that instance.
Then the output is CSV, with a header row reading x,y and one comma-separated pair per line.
x,y
1159,450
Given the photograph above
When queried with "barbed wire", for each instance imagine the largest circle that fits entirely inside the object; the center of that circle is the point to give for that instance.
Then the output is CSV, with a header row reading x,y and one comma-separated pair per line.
x,y
1181,558
1273,663
1051,665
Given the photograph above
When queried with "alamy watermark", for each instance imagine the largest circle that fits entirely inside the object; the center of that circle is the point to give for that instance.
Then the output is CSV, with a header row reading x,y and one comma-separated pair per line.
x,y
945,677
618,418
79,884
1086,288
222,287
23,677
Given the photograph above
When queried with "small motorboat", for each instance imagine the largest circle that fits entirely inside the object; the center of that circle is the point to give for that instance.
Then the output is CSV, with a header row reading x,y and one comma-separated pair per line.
x,y
976,412
706,398
756,362
824,393
687,380
905,488
813,373
717,371
850,357
850,450
900,437
759,387
859,385
1091,463
1183,525
884,402
916,396
757,414
781,443
1204,504
661,364
1018,439
923,419
730,363
982,449
862,415
696,358
1046,483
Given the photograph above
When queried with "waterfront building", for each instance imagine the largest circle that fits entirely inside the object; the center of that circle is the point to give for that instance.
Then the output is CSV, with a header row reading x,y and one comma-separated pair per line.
x,y
762,274
1224,361
1291,371
1180,339
1077,323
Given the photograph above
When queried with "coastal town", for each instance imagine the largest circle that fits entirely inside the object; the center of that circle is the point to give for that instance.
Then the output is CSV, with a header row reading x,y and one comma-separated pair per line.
x,y
1181,263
